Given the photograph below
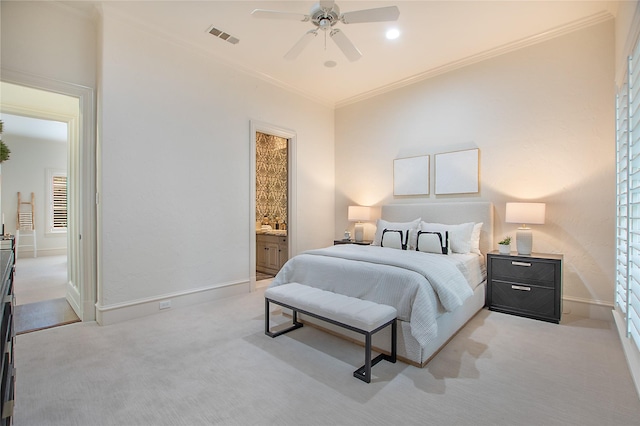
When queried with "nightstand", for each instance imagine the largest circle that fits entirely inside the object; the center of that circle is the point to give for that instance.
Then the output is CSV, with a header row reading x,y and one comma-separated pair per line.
x,y
528,286
360,243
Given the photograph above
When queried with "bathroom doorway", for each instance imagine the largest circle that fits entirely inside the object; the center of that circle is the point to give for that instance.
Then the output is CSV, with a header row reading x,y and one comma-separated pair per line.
x,y
272,222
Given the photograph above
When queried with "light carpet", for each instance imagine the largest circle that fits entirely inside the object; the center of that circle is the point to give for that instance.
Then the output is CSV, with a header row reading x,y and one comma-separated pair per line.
x,y
40,278
212,364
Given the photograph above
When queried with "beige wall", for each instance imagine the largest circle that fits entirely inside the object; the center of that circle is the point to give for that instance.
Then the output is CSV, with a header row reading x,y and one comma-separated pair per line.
x,y
26,172
175,167
174,154
543,119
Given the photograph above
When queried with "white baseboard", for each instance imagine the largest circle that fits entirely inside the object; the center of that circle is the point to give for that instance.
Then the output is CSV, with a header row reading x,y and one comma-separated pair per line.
x,y
24,253
630,351
111,314
592,309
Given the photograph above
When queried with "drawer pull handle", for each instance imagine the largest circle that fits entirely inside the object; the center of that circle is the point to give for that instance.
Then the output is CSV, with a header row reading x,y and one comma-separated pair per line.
x,y
515,263
520,287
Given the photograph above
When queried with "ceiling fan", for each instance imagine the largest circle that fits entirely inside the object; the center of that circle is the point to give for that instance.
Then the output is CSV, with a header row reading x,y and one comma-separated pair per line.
x,y
324,15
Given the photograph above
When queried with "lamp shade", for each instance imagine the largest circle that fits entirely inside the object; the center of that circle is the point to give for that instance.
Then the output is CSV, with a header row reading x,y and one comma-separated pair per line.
x,y
359,213
525,213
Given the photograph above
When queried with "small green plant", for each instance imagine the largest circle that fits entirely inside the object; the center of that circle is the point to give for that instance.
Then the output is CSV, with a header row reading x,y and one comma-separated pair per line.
x,y
4,149
506,241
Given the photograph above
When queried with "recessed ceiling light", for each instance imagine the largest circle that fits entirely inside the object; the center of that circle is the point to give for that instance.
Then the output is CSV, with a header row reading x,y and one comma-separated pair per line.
x,y
393,34
330,64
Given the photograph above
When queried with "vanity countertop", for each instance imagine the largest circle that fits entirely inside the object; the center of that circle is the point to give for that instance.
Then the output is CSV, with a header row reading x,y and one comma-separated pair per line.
x,y
279,232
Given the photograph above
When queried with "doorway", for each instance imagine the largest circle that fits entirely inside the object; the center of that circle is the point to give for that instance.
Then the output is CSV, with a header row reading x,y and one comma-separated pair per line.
x,y
80,282
272,158
273,200
34,183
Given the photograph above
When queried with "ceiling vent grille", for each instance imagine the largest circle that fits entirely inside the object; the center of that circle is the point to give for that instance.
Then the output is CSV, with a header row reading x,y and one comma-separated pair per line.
x,y
222,35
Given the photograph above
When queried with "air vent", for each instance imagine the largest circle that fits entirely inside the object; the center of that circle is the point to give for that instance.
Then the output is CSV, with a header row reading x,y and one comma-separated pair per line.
x,y
221,34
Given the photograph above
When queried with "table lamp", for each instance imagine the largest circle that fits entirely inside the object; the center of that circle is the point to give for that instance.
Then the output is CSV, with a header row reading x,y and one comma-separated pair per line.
x,y
358,214
525,213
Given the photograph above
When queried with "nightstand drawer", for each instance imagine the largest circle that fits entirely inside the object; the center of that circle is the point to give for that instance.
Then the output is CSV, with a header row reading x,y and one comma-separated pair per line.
x,y
525,271
516,297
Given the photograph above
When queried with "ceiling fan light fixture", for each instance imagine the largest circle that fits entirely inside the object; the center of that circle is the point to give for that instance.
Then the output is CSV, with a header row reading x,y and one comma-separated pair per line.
x,y
324,15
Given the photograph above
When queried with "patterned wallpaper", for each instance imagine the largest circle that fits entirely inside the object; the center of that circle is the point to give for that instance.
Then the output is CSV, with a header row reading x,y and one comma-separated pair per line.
x,y
271,177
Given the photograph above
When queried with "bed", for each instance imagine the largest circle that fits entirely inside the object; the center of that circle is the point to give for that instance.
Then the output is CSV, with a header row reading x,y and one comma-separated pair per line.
x,y
436,293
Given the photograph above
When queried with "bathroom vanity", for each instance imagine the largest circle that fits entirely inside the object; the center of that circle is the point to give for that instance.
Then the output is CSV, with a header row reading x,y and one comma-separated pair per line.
x,y
272,251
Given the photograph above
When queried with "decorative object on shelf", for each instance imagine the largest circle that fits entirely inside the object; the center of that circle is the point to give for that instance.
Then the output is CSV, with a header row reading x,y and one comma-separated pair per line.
x,y
4,149
347,235
504,246
525,213
457,172
411,176
358,214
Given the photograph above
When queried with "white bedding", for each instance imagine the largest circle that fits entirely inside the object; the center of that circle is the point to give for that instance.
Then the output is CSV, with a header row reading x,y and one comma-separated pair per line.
x,y
419,285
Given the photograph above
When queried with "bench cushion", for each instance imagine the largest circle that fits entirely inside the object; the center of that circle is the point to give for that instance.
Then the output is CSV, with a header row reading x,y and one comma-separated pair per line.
x,y
361,314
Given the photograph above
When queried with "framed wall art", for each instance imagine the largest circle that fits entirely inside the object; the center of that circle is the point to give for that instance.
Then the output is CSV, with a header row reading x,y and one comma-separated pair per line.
x,y
411,176
457,172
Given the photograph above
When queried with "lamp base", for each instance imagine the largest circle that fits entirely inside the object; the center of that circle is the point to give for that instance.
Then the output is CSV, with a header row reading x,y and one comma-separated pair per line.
x,y
524,240
358,232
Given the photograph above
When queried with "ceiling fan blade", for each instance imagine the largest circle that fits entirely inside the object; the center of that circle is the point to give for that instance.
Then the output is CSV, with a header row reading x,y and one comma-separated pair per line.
x,y
380,14
300,45
327,4
276,14
350,51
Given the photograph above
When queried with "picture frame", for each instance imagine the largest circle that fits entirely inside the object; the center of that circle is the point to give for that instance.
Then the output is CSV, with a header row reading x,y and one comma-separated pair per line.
x,y
411,176
457,172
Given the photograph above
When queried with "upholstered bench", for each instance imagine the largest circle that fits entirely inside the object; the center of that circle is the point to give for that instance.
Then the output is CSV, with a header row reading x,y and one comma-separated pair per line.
x,y
362,316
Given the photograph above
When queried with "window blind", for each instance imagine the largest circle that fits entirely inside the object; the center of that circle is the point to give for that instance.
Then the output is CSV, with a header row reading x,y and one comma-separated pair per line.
x,y
628,198
59,203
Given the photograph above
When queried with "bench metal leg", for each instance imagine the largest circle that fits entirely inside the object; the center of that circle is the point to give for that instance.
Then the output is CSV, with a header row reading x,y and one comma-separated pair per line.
x,y
295,325
364,373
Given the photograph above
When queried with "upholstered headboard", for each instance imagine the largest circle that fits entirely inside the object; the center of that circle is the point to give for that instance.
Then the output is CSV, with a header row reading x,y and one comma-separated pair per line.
x,y
447,213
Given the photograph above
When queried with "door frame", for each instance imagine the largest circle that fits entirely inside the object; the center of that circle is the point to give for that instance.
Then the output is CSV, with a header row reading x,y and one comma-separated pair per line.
x,y
292,200
82,158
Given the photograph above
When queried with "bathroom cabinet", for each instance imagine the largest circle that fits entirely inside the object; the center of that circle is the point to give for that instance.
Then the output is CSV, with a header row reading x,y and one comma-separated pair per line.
x,y
272,251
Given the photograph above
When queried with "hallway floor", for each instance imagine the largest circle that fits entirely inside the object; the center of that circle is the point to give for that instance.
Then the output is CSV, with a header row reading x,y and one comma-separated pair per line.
x,y
41,315
39,287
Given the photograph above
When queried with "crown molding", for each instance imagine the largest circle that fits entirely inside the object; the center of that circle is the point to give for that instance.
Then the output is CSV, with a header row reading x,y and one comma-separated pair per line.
x,y
573,26
168,37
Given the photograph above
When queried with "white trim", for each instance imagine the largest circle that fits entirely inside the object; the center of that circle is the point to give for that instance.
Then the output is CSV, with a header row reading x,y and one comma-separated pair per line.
x,y
168,37
259,126
594,19
631,353
118,312
587,308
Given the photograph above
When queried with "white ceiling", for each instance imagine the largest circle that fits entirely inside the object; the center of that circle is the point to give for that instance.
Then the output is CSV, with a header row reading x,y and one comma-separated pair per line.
x,y
436,36
34,128
35,113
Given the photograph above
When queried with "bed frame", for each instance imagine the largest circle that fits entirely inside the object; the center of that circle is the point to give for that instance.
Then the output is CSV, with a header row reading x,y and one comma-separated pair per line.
x,y
449,323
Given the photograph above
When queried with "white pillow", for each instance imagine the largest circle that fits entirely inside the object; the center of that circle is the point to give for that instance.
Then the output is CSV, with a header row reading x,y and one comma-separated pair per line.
x,y
459,235
433,242
412,227
393,238
475,238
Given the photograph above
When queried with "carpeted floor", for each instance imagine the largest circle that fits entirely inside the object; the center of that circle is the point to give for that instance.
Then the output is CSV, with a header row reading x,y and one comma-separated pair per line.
x,y
40,278
212,364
